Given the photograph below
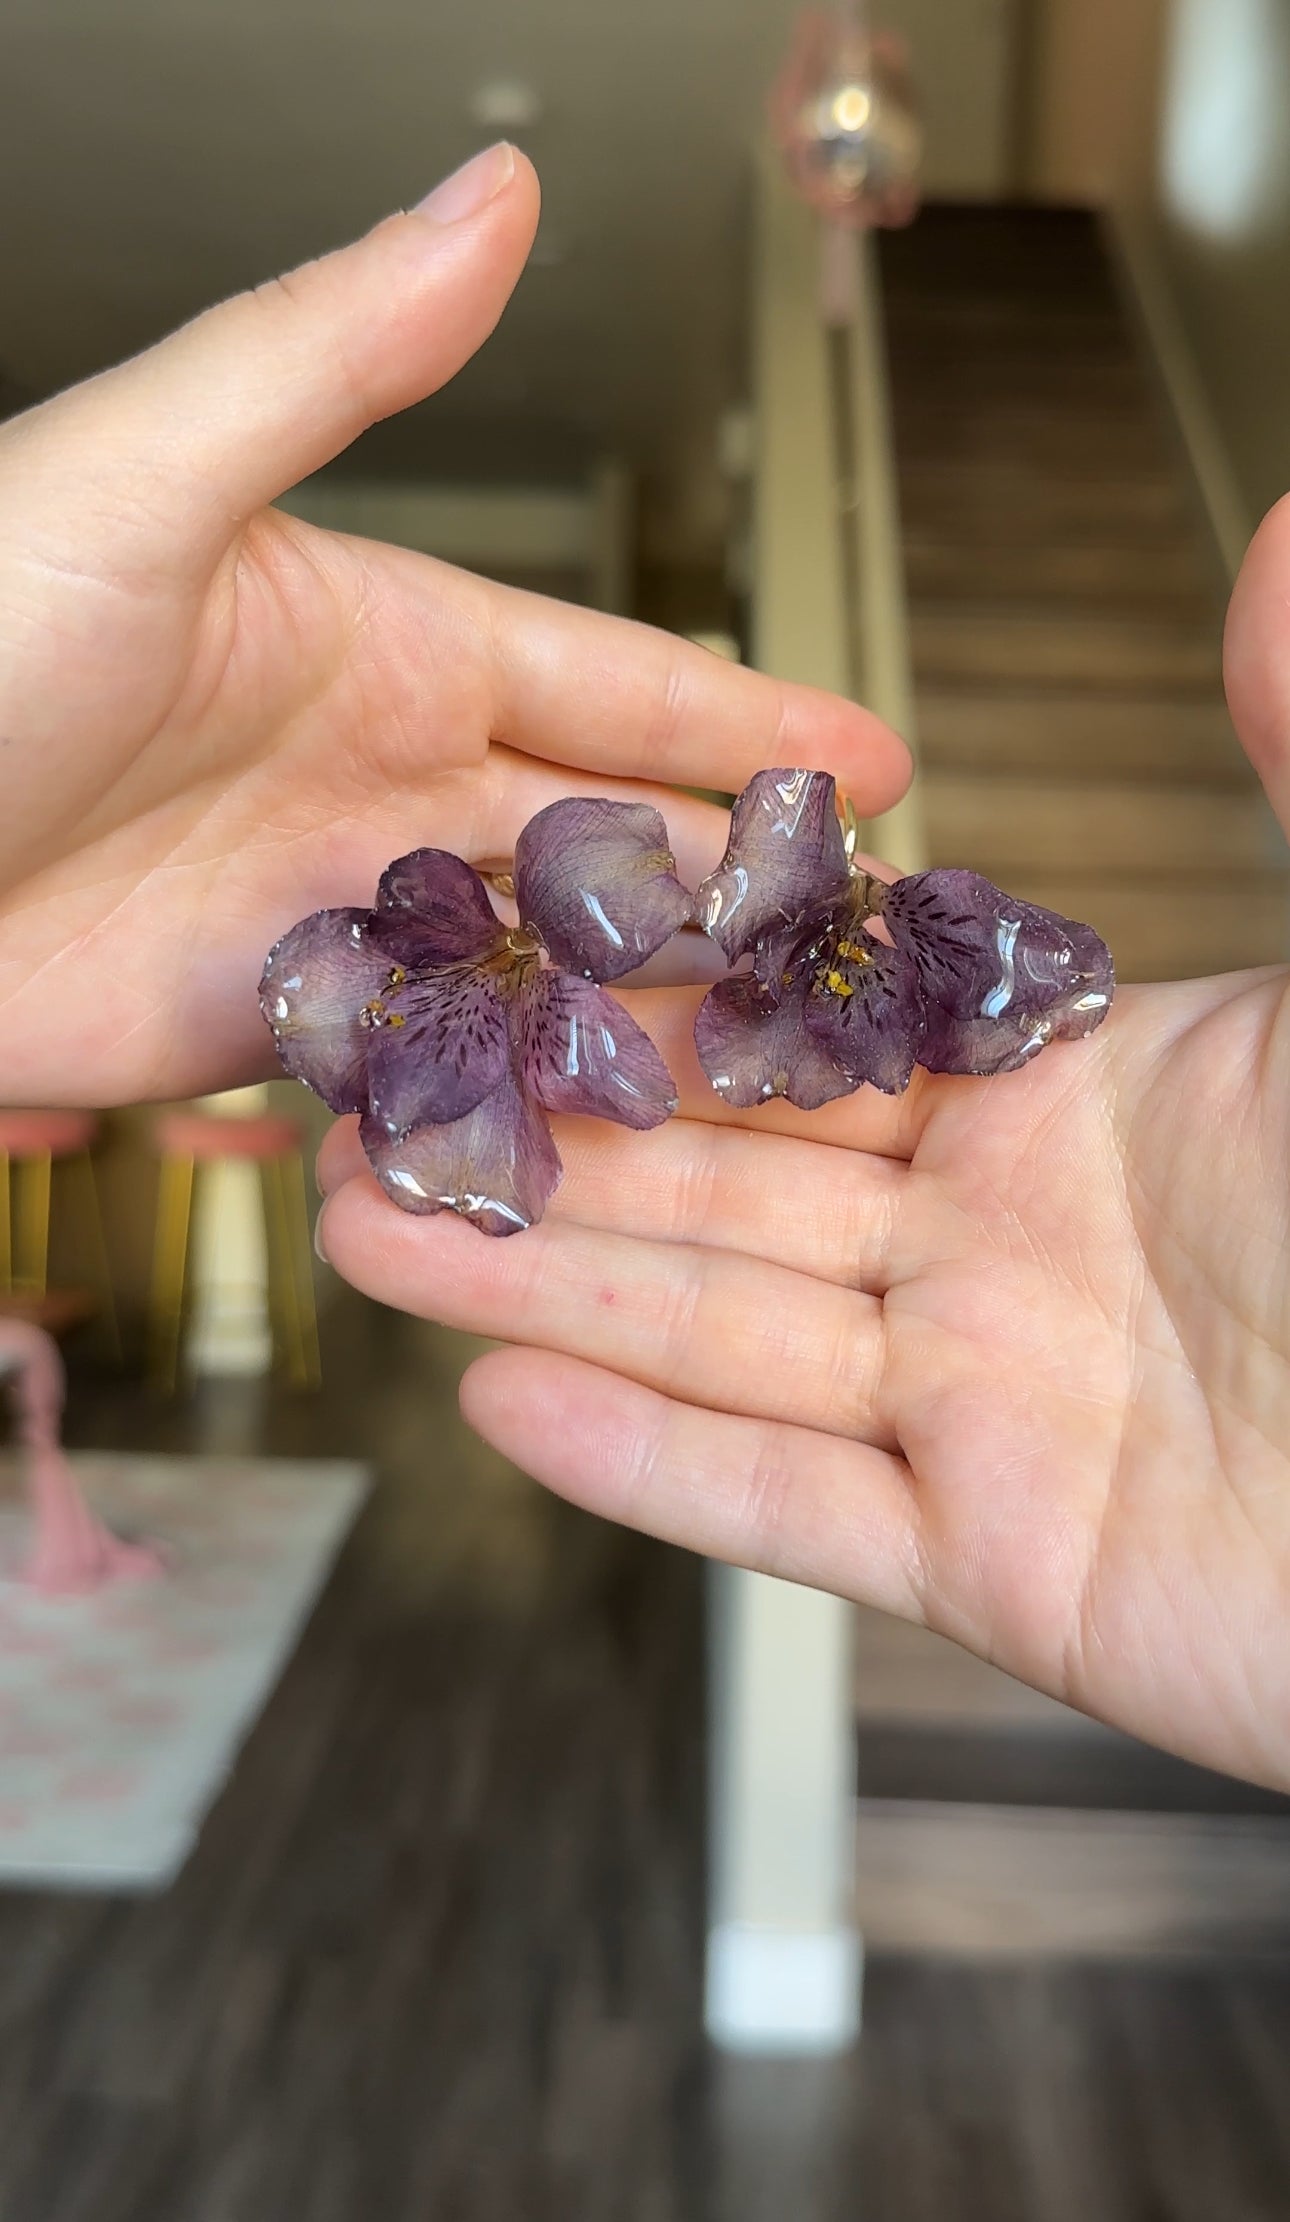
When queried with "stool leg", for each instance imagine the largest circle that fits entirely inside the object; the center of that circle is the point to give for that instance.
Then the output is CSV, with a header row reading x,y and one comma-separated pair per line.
x,y
302,1267
282,1286
6,1228
170,1270
103,1264
31,1230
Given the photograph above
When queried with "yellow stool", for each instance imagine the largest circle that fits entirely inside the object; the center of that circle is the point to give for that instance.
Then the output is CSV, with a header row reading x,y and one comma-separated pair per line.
x,y
31,1143
187,1139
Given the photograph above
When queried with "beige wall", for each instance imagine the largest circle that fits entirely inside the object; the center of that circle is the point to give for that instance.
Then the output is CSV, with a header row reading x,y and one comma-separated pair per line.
x,y
1091,73
1223,207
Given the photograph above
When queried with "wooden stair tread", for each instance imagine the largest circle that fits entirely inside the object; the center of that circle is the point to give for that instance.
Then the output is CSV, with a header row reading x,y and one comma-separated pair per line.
x,y
1007,1880
1160,929
1004,825
1074,737
1096,577
1006,503
1070,650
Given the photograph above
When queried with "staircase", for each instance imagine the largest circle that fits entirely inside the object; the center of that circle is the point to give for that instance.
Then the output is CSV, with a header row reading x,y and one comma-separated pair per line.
x,y
1066,608
1066,626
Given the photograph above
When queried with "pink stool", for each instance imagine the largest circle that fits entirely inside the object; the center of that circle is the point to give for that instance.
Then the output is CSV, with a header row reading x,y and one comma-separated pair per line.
x,y
187,1139
31,1143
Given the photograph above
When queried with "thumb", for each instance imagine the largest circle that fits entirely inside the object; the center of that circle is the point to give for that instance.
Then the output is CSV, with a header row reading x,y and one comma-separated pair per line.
x,y
1256,657
221,418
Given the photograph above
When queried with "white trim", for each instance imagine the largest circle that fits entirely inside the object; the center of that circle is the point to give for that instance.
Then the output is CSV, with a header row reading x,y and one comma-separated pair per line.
x,y
783,1991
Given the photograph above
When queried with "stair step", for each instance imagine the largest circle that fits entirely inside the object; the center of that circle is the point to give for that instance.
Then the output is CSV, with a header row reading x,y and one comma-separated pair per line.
x,y
1094,737
1002,826
1002,503
991,384
1045,437
907,1676
1071,650
988,324
1171,582
1100,1771
1162,930
1006,1880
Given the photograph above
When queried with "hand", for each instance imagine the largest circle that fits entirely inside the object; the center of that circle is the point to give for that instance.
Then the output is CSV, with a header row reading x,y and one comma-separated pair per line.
x,y
214,719
1008,1357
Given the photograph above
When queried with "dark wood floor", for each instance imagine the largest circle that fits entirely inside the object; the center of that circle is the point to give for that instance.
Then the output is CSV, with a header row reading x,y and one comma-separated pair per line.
x,y
436,1956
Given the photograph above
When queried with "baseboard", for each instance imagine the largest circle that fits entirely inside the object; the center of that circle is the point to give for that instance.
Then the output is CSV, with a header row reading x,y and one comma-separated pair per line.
x,y
988,1763
1006,1882
782,1992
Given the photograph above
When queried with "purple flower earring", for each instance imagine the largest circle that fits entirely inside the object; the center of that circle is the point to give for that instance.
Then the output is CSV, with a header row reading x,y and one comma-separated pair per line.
x,y
970,980
454,1037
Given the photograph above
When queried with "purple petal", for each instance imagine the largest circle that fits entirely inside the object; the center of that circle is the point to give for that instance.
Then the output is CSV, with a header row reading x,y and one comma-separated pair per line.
x,y
316,982
578,1051
438,1047
496,1167
1000,977
753,1047
597,881
432,908
785,857
865,1008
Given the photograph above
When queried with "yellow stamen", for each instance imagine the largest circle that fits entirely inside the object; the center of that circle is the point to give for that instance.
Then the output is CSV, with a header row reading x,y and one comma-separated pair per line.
x,y
397,976
836,985
396,1018
854,954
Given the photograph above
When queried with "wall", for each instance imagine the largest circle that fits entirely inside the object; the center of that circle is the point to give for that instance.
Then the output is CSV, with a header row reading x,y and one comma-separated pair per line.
x,y
1223,221
1091,75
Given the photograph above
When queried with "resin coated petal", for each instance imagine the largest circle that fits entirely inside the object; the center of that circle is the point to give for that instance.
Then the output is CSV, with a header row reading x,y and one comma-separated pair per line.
x,y
597,881
496,1167
439,1048
1000,977
865,1008
434,909
785,857
753,1047
578,1051
315,984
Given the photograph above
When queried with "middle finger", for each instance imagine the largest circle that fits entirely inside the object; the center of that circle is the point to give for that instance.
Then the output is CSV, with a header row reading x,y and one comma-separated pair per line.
x,y
712,1327
841,1215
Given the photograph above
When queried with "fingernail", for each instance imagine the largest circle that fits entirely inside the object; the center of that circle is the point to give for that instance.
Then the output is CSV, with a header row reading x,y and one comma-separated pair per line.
x,y
319,1244
471,187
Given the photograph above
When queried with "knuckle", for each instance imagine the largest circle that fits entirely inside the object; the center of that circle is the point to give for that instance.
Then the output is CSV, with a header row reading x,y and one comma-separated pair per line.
x,y
767,1491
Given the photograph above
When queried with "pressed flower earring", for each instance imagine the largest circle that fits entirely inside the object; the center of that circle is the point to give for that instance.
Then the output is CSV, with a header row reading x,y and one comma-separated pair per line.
x,y
970,981
453,1035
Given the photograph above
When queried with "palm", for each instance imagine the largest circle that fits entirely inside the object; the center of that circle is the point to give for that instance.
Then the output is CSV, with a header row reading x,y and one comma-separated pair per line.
x,y
980,1358
1082,1376
1009,1357
230,754
306,716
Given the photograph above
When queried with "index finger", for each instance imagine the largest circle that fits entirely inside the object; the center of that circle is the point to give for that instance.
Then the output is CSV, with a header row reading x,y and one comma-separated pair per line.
x,y
608,694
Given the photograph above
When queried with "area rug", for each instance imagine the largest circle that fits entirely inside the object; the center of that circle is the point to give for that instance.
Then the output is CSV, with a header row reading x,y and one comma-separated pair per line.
x,y
121,1714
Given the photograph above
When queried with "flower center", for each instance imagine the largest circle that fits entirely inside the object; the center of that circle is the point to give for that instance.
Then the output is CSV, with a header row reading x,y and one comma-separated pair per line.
x,y
513,961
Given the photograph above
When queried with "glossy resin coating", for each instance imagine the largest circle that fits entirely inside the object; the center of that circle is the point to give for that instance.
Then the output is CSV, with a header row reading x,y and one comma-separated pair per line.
x,y
959,977
451,1033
